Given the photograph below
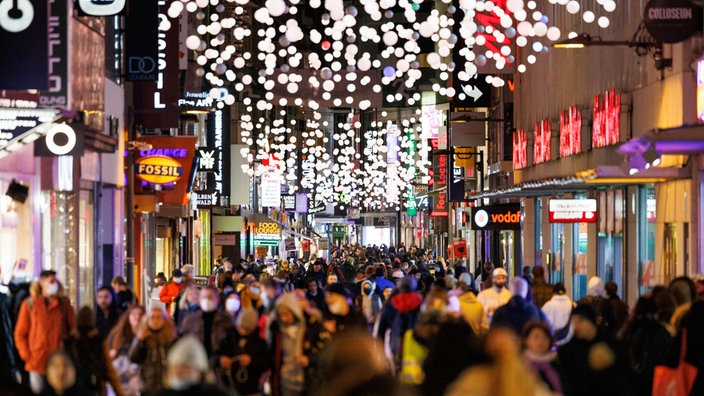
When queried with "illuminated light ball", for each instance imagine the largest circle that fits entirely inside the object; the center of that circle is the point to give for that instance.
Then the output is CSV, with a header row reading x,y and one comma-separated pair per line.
x,y
524,28
520,15
325,45
415,6
572,35
220,69
510,32
588,16
537,46
510,59
609,6
531,5
603,22
540,29
239,87
175,9
390,38
326,73
389,72
521,41
514,5
531,59
480,60
193,42
572,7
191,6
537,15
553,33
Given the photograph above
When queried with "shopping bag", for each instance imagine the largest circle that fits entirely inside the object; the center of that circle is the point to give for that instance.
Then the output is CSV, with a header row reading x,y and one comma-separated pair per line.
x,y
675,381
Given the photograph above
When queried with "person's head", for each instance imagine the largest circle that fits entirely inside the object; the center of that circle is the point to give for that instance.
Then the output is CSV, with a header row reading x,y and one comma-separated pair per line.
x,y
227,264
537,337
387,293
683,290
209,299
48,283
119,284
466,282
285,315
104,298
156,319
539,272
611,289
192,295
317,266
232,303
60,372
498,277
177,276
85,320
332,278
518,287
134,316
160,279
367,288
584,322
186,364
312,286
595,287
246,322
527,271
559,289
336,299
488,266
188,270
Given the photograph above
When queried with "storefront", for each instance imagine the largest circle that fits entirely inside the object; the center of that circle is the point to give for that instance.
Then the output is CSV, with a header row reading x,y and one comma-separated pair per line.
x,y
501,225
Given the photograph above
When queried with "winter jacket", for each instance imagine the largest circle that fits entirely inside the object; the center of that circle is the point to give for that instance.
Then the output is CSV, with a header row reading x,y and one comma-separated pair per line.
x,y
473,312
151,355
194,324
398,315
516,313
557,312
106,323
649,345
491,300
413,356
169,292
93,366
41,328
245,380
287,343
542,292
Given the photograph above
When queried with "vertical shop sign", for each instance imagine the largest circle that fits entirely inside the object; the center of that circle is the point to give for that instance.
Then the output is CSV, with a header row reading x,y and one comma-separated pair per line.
x,y
570,132
542,135
57,93
440,204
520,149
156,102
142,55
218,137
271,190
25,69
700,89
606,129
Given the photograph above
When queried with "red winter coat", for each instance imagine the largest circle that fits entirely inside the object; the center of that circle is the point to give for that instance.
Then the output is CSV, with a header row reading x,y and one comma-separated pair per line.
x,y
170,291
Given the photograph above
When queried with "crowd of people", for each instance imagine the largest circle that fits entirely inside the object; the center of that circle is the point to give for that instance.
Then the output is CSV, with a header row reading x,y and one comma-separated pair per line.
x,y
370,321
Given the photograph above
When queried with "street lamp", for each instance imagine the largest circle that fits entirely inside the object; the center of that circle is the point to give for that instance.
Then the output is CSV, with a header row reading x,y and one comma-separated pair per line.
x,y
642,48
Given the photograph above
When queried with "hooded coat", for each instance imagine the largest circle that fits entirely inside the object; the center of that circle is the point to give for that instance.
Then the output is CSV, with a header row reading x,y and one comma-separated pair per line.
x,y
398,315
42,326
371,304
151,355
473,312
287,344
516,313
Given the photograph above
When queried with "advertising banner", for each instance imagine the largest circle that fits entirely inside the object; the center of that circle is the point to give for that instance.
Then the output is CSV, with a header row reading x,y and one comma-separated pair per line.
x,y
497,217
179,149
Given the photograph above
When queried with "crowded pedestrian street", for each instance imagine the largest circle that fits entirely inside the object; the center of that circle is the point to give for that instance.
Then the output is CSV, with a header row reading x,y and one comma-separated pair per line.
x,y
352,197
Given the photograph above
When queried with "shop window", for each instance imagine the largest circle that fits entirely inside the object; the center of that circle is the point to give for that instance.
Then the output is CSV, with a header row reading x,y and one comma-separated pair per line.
x,y
557,256
646,239
669,254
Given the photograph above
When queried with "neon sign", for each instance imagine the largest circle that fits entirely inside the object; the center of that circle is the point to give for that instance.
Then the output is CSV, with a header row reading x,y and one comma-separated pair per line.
x,y
158,169
520,149
166,152
541,141
493,21
570,132
607,120
700,89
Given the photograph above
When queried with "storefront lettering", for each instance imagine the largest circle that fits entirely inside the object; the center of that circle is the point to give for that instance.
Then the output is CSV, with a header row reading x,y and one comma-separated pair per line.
x,y
506,217
570,132
167,152
606,130
520,149
542,135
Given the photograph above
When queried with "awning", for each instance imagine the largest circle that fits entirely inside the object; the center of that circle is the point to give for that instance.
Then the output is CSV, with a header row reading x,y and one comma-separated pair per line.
x,y
297,234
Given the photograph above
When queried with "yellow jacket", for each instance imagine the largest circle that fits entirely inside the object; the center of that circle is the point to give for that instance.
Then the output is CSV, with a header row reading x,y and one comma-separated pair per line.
x,y
473,312
414,354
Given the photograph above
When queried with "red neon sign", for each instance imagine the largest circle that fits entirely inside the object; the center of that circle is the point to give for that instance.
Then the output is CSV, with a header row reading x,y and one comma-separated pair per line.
x,y
494,21
570,132
520,149
541,139
607,120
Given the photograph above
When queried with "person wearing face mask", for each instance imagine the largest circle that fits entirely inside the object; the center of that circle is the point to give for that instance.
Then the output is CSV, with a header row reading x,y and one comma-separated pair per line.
x,y
209,325
188,370
345,315
172,290
45,320
495,296
371,303
188,303
154,337
232,304
244,355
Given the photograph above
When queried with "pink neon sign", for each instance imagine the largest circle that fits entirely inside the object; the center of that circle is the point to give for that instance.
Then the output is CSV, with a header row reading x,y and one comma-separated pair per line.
x,y
607,120
541,139
520,149
570,132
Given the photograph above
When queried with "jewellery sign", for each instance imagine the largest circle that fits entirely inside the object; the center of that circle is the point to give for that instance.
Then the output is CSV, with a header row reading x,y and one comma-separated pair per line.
x,y
573,211
24,42
497,217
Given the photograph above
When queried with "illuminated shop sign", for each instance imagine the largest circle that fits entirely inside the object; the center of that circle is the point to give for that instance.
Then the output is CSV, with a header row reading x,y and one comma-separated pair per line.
x,y
197,101
497,217
158,169
431,121
520,149
573,211
541,141
570,132
267,231
101,7
289,201
440,203
25,43
700,89
15,122
166,152
606,129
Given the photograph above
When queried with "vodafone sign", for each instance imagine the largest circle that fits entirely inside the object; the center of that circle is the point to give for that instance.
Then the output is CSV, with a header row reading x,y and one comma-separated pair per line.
x,y
573,211
497,217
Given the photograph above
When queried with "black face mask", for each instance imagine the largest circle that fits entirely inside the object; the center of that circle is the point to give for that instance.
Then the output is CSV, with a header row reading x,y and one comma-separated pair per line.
x,y
367,290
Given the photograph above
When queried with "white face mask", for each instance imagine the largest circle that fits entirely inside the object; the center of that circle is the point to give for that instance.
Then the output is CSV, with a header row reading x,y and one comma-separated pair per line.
x,y
178,280
207,305
232,305
337,307
52,289
179,384
255,290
